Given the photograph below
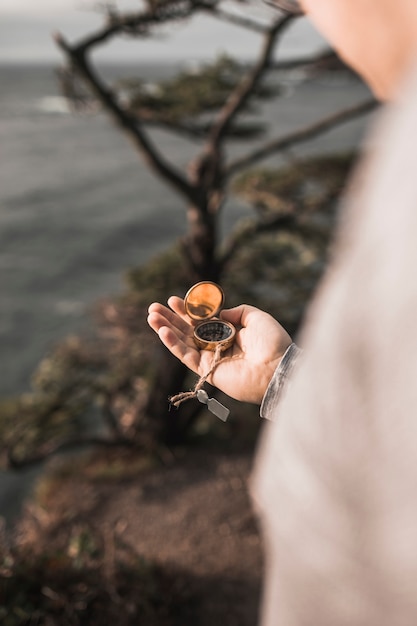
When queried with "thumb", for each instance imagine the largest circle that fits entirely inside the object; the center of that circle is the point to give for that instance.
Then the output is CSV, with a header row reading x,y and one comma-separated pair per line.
x,y
238,316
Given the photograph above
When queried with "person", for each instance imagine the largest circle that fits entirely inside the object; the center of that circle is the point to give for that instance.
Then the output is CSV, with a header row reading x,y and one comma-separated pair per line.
x,y
335,478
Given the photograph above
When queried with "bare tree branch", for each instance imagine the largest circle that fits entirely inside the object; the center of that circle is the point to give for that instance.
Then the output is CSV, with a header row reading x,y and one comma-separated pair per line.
x,y
238,20
300,136
140,22
241,94
126,121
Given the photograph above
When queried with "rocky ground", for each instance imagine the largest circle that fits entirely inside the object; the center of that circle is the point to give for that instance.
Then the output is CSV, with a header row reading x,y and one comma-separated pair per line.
x,y
156,543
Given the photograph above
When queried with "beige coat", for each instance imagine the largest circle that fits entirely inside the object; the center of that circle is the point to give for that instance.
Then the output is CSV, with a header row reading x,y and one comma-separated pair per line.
x,y
335,481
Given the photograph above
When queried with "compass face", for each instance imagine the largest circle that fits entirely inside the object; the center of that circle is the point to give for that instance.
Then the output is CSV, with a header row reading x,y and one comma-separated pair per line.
x,y
214,331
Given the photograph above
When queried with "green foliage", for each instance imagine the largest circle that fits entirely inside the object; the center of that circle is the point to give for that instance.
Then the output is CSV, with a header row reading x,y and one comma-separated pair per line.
x,y
163,275
33,421
97,383
191,94
279,270
308,184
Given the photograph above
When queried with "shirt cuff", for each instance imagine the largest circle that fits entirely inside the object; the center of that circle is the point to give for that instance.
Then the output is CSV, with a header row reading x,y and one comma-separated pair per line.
x,y
278,382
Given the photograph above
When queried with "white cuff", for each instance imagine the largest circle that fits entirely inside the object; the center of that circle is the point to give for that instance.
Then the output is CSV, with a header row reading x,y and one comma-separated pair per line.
x,y
278,382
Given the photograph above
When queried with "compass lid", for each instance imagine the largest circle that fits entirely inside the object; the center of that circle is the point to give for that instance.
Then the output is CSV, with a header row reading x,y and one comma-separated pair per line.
x,y
204,300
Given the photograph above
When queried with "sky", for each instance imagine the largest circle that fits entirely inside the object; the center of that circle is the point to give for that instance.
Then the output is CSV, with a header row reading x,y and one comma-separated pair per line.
x,y
26,28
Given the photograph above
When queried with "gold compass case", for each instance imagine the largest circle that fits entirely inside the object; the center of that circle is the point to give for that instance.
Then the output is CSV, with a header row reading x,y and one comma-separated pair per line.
x,y
203,301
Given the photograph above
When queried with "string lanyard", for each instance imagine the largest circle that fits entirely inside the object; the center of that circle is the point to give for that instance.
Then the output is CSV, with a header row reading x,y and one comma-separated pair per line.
x,y
213,405
202,302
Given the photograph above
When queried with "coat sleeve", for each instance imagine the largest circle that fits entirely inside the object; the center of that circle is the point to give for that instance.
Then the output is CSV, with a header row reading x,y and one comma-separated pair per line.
x,y
335,480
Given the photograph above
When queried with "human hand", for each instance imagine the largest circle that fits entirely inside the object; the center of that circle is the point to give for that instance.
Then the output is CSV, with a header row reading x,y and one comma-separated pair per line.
x,y
246,368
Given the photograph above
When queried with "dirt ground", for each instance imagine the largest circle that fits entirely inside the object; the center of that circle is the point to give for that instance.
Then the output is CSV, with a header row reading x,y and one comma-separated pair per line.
x,y
191,517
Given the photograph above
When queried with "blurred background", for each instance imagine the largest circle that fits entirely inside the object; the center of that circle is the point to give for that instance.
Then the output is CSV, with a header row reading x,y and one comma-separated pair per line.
x,y
78,209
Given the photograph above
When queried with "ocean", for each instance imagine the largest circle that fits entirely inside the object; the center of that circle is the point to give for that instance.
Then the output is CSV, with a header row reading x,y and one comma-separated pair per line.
x,y
78,207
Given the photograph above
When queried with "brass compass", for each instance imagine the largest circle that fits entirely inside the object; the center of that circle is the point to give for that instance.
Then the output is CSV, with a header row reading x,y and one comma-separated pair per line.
x,y
203,301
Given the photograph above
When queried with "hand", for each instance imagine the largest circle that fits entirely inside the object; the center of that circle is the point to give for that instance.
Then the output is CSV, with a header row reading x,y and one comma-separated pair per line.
x,y
246,368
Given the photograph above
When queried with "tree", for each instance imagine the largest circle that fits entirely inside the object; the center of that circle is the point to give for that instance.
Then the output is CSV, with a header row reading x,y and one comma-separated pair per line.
x,y
208,107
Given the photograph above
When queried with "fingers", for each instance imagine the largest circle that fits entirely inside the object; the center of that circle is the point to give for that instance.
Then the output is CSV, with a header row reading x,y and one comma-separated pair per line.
x,y
188,355
177,305
175,333
160,315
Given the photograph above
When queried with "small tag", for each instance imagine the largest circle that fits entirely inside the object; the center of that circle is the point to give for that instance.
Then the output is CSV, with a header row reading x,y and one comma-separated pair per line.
x,y
218,409
213,405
